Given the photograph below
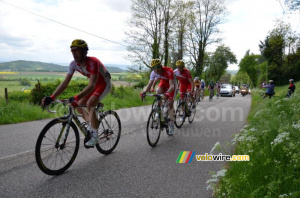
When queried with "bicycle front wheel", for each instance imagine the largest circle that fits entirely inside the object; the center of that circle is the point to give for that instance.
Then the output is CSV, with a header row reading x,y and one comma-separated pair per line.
x,y
109,132
54,155
153,127
180,115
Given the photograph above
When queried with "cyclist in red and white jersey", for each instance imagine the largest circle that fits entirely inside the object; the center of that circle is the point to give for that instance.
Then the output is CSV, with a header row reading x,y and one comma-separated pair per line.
x,y
184,76
167,85
98,87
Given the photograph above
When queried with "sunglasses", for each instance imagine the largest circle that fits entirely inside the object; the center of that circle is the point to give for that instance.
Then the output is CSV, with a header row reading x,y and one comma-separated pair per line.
x,y
180,67
155,67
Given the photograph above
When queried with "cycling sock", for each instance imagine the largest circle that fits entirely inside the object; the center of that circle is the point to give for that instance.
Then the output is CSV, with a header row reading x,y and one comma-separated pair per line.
x,y
94,132
89,126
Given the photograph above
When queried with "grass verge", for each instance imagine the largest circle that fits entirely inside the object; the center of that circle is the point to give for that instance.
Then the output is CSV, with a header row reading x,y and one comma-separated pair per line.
x,y
272,140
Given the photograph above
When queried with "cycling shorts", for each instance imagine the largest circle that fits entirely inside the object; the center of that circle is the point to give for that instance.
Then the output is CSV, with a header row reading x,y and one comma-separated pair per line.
x,y
165,89
184,89
100,90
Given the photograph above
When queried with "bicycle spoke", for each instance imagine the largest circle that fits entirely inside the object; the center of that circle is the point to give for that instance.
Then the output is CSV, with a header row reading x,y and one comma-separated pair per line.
x,y
55,157
110,132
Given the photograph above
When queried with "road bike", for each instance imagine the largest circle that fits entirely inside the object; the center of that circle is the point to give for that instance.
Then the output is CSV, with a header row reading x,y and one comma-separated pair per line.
x,y
158,119
211,94
198,96
264,96
58,143
218,93
202,94
186,108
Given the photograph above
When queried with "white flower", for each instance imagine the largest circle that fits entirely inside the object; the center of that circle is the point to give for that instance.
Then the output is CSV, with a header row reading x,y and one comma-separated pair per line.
x,y
296,126
217,145
280,138
283,195
278,101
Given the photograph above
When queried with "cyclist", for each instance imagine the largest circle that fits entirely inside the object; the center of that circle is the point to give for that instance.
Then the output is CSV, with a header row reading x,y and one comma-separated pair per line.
x,y
197,83
291,88
167,85
270,89
218,85
99,85
211,88
185,79
202,90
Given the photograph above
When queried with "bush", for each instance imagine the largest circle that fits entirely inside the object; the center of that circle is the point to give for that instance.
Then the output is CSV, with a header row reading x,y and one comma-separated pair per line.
x,y
42,90
18,96
25,82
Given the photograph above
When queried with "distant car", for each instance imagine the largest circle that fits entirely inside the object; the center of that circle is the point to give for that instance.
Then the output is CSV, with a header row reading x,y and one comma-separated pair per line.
x,y
237,89
227,90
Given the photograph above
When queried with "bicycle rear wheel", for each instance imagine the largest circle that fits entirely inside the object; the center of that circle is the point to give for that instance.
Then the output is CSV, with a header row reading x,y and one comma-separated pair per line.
x,y
180,115
153,127
109,132
54,157
193,113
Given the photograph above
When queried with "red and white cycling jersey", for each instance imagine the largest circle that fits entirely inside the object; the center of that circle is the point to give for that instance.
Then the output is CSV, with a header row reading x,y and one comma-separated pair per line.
x,y
183,77
93,66
166,75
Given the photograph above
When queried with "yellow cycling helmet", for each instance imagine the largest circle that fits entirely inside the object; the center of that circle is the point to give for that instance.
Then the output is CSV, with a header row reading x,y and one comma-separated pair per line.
x,y
180,63
79,43
155,62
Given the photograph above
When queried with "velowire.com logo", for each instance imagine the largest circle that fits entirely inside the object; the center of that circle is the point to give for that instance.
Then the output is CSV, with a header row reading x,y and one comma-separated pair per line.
x,y
187,157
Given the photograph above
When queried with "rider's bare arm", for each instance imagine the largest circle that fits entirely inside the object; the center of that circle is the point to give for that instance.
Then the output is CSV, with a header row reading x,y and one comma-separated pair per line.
x,y
62,85
192,82
171,88
148,87
154,83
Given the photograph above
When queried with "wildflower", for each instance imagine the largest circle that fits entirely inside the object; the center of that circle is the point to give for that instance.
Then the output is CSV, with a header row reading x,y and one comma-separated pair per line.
x,y
216,146
296,126
280,138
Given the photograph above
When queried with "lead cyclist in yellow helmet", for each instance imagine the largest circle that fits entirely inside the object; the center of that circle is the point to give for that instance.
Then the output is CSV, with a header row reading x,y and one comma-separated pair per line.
x,y
167,86
98,87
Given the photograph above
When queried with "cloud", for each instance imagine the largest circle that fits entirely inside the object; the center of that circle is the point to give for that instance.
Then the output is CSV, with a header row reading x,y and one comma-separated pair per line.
x,y
59,22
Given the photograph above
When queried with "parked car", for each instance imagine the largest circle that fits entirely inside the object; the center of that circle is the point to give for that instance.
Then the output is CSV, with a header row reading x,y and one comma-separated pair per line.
x,y
227,90
236,89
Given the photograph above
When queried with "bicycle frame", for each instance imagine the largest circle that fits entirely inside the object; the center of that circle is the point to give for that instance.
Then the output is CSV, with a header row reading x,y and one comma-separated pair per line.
x,y
73,116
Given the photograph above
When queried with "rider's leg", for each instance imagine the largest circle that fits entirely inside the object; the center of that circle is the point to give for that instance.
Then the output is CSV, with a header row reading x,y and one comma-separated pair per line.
x,y
83,111
99,93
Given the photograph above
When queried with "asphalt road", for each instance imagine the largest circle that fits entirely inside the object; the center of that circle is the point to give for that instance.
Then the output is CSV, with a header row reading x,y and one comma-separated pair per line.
x,y
134,169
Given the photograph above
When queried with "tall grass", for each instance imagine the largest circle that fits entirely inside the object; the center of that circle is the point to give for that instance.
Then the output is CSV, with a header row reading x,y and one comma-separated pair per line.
x,y
15,112
272,140
20,110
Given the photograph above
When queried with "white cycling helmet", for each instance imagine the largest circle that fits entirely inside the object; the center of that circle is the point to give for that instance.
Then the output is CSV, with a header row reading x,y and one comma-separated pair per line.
x,y
202,80
196,78
291,80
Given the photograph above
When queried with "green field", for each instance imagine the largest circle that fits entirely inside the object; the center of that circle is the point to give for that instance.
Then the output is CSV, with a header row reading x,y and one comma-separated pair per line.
x,y
12,81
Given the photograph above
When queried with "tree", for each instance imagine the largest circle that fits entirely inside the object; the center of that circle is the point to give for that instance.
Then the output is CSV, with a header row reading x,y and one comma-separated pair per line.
x,y
249,65
219,61
273,49
145,36
206,16
293,4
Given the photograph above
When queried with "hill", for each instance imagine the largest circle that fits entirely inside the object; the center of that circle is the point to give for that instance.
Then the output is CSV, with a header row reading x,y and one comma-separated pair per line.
x,y
30,66
232,72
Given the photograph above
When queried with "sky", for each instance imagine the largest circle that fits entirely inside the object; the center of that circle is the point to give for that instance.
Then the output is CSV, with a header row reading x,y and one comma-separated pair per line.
x,y
47,37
